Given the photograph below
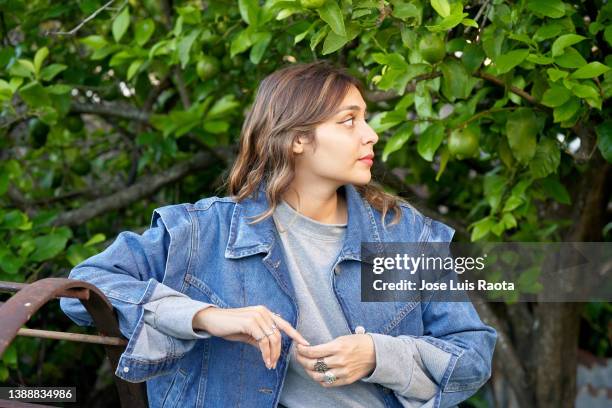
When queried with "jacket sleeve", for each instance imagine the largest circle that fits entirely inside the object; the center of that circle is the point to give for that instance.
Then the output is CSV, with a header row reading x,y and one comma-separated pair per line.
x,y
456,347
450,361
134,273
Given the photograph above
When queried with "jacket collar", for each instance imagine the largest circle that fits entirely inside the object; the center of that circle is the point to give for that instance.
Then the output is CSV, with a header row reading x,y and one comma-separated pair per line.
x,y
247,239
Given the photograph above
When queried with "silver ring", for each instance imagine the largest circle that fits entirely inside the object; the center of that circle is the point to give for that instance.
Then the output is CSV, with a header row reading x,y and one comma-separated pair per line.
x,y
274,326
268,334
320,366
259,339
330,378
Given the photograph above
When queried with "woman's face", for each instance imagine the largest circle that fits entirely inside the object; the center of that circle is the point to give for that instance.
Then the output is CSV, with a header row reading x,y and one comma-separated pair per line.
x,y
341,142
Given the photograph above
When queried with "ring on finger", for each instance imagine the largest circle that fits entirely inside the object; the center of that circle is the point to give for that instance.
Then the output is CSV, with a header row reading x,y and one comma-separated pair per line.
x,y
271,332
330,377
320,366
260,338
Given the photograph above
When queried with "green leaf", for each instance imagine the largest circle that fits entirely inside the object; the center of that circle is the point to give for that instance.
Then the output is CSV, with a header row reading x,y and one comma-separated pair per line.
x,y
566,111
455,80
441,6
547,31
261,41
565,41
223,106
48,246
430,140
241,42
556,74
555,96
521,129
39,58
506,62
96,239
604,139
50,71
546,160
494,185
216,126
548,8
398,140
455,17
330,13
481,228
94,42
539,59
10,355
77,253
133,69
333,42
184,47
23,68
34,95
143,31
248,11
10,263
554,189
121,24
571,58
590,70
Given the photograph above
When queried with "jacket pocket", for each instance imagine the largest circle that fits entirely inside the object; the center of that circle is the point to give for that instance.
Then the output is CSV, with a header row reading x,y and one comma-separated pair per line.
x,y
176,390
209,295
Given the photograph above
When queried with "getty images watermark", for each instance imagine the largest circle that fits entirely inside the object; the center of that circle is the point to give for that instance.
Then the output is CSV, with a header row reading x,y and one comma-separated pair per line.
x,y
503,272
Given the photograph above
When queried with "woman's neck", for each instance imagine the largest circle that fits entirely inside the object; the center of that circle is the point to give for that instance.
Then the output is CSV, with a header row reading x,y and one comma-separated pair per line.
x,y
326,206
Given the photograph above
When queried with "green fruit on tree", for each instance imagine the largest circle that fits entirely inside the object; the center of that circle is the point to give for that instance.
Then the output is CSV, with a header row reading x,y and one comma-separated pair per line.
x,y
432,48
312,4
207,67
74,123
38,132
463,143
81,166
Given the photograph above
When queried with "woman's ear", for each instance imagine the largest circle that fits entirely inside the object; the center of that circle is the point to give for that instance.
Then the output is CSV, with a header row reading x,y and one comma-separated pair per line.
x,y
298,145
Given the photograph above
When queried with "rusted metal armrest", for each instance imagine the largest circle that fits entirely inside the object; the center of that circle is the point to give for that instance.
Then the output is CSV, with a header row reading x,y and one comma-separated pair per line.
x,y
28,298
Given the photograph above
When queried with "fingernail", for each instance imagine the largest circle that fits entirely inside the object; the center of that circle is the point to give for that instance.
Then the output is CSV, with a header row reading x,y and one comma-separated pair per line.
x,y
274,366
269,364
307,343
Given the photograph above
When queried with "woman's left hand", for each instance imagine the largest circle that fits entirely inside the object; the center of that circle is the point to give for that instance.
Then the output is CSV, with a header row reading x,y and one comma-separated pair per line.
x,y
349,358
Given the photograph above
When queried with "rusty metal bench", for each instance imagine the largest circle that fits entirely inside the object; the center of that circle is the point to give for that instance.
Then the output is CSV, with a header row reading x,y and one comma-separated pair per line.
x,y
29,298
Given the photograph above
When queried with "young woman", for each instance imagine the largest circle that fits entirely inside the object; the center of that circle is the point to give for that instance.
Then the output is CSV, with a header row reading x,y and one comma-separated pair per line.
x,y
254,299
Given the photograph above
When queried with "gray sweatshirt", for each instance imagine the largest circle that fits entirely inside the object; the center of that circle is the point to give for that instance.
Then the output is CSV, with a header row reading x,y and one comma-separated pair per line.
x,y
311,249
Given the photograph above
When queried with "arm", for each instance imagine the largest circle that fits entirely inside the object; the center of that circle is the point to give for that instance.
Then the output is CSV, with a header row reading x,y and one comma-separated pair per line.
x,y
130,273
449,362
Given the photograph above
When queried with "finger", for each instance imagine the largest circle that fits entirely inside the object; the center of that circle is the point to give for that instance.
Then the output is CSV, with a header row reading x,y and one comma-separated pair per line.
x,y
258,331
309,363
320,350
274,338
341,379
291,332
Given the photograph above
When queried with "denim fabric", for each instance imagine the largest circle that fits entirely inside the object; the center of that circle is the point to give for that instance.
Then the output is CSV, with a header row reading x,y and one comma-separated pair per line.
x,y
209,252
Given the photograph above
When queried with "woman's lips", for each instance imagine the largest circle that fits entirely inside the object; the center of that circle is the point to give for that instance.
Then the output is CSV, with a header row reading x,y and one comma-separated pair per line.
x,y
367,161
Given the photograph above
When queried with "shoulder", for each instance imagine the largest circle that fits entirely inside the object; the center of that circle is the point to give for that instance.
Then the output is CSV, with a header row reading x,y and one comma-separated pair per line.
x,y
434,229
183,214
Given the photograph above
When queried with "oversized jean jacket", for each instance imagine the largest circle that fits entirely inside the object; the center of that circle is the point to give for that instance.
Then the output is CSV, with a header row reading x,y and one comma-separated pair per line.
x,y
209,252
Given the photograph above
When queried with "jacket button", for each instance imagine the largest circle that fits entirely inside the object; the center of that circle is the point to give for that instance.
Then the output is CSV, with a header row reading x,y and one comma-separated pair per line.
x,y
126,369
359,330
337,270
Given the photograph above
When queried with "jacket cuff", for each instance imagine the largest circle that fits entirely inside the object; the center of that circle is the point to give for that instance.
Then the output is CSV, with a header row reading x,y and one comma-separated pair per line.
x,y
173,315
399,367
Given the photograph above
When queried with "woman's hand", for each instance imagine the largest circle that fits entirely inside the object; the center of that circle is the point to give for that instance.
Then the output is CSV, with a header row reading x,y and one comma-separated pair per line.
x,y
255,325
349,358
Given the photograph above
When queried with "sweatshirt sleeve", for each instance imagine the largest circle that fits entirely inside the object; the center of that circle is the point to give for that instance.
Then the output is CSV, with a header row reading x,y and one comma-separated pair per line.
x,y
173,315
399,366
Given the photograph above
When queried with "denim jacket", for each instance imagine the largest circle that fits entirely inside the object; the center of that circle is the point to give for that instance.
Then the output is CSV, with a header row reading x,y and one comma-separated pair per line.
x,y
209,252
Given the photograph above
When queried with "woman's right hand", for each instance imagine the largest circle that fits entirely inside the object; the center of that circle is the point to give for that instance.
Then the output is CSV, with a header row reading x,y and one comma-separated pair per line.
x,y
248,324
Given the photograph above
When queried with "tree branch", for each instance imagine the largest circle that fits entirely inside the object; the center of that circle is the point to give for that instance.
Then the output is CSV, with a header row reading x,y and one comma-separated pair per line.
x,y
119,110
82,23
144,188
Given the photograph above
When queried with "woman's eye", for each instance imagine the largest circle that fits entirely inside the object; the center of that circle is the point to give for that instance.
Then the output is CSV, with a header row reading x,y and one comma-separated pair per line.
x,y
351,119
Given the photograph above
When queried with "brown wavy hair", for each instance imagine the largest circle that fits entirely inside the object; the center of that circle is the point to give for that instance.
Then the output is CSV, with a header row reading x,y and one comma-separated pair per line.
x,y
290,103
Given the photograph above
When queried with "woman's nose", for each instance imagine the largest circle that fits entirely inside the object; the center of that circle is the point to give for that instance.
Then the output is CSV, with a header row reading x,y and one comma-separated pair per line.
x,y
369,135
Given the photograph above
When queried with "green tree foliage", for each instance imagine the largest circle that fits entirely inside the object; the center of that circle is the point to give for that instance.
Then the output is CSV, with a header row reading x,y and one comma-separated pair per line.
x,y
115,107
